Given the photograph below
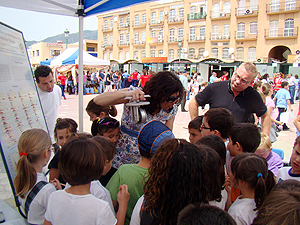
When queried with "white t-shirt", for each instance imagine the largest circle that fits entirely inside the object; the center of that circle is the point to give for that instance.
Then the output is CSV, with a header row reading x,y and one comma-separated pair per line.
x,y
135,216
65,208
223,201
50,102
99,191
242,211
38,206
285,173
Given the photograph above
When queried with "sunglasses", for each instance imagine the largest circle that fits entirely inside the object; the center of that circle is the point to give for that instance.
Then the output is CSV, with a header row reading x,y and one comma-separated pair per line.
x,y
173,99
204,127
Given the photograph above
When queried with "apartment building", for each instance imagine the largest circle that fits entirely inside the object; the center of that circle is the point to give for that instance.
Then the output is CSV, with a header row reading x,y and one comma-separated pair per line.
x,y
245,30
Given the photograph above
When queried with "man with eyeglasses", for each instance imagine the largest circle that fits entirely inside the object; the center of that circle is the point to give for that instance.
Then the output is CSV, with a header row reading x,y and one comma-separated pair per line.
x,y
236,95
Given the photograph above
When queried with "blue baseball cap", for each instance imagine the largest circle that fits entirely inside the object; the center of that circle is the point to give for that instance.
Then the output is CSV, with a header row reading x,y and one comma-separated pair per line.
x,y
152,135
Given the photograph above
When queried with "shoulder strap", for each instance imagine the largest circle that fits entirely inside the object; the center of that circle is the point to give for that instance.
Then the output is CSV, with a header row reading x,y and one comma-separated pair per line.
x,y
34,191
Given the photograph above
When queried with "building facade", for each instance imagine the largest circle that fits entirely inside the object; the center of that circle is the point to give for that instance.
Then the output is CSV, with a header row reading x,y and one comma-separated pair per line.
x,y
245,30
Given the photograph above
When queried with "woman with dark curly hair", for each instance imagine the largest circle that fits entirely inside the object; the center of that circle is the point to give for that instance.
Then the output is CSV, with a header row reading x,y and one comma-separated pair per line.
x,y
166,92
176,179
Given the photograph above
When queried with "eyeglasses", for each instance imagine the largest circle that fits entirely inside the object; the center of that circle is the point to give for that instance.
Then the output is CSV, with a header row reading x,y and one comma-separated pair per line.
x,y
241,79
109,123
204,127
173,99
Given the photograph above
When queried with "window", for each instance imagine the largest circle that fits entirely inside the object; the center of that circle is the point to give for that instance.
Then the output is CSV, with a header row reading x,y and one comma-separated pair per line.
x,y
240,30
152,53
136,20
252,54
105,40
254,4
143,54
273,28
215,32
240,53
172,15
161,16
290,5
226,30
214,52
121,39
172,33
192,33
241,7
144,36
153,33
111,55
136,55
181,13
144,18
275,5
105,25
203,10
202,31
136,38
37,52
180,33
200,55
215,10
111,39
127,55
127,38
153,18
226,7
111,24
171,54
160,53
161,33
128,20
120,55
121,22
225,53
288,27
192,12
191,53
253,28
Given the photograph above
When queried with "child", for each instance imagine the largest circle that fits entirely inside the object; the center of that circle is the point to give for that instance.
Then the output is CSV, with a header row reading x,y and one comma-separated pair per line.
x,y
194,129
107,127
195,87
250,175
34,148
293,171
267,90
265,150
97,111
64,128
82,161
282,99
150,137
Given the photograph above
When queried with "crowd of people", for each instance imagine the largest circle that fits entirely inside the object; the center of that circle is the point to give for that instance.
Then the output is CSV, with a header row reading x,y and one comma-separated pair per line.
x,y
126,172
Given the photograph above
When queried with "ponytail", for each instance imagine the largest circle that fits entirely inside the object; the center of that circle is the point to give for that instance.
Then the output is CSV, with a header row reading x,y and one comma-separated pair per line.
x,y
112,110
260,191
97,109
31,145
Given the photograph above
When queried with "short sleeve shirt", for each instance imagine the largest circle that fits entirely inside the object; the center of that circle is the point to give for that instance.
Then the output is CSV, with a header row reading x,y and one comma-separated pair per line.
x,y
220,95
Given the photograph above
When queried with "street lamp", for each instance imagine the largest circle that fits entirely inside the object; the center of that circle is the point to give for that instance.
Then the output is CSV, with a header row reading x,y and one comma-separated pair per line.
x,y
179,50
103,50
67,36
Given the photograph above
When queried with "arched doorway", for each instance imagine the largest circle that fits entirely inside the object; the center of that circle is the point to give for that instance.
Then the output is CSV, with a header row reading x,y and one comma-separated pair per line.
x,y
279,53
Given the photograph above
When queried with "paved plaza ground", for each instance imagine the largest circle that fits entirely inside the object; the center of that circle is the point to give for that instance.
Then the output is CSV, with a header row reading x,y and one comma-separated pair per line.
x,y
69,108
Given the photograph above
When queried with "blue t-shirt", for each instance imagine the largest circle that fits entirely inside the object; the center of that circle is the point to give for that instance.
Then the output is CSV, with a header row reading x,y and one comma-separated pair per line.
x,y
282,95
125,75
212,79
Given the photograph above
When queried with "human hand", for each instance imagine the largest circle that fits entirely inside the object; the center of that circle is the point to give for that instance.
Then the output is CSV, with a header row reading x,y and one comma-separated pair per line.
x,y
123,195
227,184
136,94
56,184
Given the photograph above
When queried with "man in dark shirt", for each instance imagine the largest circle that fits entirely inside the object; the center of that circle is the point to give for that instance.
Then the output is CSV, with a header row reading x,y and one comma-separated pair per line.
x,y
236,95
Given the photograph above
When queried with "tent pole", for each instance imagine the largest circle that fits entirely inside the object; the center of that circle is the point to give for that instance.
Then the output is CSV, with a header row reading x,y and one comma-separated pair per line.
x,y
80,79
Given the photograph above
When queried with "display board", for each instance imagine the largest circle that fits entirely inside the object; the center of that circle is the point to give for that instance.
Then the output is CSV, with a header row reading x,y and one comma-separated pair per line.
x,y
20,107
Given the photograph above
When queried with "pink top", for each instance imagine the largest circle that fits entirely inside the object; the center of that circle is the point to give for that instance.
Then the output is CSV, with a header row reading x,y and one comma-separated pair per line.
x,y
270,103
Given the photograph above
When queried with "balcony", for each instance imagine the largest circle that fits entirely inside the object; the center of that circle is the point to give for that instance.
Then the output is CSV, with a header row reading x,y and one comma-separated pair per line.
x,y
282,33
220,15
195,39
243,36
138,25
106,29
177,20
283,7
246,12
139,43
156,22
108,45
123,26
123,44
173,40
156,40
219,37
196,16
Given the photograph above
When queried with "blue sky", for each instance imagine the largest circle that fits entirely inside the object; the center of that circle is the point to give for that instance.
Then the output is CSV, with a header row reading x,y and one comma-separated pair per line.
x,y
38,26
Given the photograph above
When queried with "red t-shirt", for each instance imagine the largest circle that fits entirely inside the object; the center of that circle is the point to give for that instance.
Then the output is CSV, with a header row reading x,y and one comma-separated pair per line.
x,y
144,79
62,80
224,77
135,75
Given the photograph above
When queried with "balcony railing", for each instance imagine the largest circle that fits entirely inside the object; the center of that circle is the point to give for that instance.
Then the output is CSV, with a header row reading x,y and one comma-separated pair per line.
x,y
123,43
155,22
173,39
247,11
283,7
108,45
156,40
219,15
196,16
240,35
219,37
194,38
123,25
176,20
135,42
281,33
106,28
138,24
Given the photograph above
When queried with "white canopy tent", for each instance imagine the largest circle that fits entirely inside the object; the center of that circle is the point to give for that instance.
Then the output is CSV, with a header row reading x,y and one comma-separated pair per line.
x,y
77,8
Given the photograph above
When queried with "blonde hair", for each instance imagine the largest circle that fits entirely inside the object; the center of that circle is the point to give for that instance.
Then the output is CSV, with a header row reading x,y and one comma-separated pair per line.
x,y
265,141
32,143
250,68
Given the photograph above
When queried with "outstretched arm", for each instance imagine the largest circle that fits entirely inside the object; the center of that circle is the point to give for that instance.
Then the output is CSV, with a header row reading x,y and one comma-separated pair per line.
x,y
193,108
266,123
123,198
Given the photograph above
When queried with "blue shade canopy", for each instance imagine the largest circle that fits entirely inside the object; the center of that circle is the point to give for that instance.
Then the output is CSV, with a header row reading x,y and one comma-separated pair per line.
x,y
46,62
